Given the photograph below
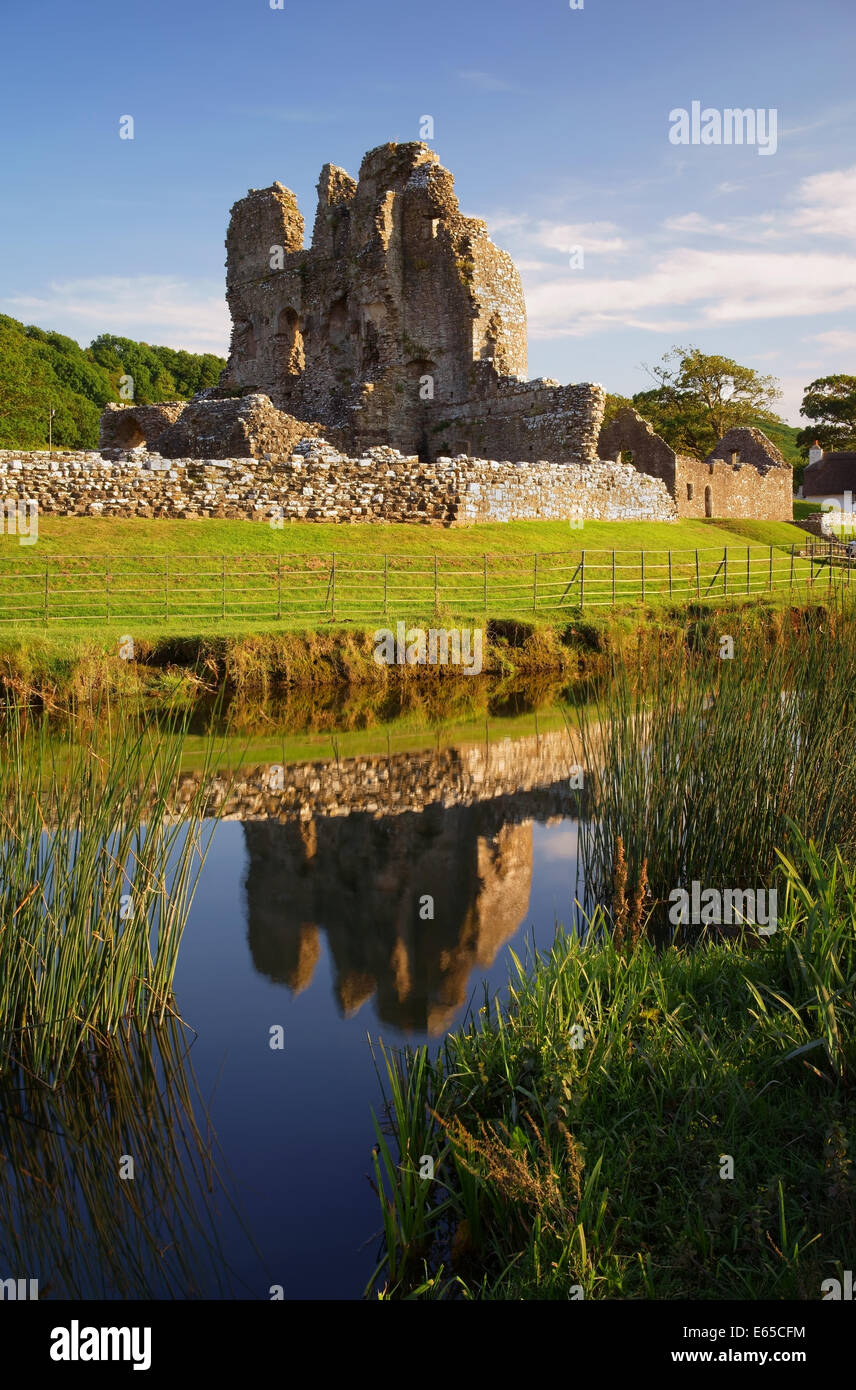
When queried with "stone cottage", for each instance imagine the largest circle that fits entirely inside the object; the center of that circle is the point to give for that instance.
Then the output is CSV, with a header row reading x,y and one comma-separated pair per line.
x,y
829,479
744,475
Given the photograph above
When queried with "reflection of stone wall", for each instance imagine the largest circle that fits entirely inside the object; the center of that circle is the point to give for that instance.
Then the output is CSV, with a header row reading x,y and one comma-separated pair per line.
x,y
362,879
384,786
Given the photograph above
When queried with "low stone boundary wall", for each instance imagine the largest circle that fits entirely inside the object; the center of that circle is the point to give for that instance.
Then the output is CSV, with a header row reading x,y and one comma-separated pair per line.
x,y
320,484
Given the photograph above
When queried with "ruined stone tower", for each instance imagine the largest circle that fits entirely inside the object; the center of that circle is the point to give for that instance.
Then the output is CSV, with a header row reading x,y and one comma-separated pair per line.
x,y
401,324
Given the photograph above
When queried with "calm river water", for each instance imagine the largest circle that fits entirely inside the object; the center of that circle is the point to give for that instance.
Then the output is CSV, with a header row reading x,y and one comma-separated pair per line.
x,y
345,899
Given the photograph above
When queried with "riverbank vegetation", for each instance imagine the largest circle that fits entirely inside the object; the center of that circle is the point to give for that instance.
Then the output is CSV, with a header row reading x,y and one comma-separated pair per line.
x,y
661,1110
697,1143
97,873
62,668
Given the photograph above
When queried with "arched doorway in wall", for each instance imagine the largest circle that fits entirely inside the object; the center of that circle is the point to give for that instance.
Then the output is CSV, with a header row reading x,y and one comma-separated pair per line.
x,y
127,434
708,501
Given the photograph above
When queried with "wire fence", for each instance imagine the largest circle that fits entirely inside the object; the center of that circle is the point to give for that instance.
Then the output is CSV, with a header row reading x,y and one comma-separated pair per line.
x,y
296,587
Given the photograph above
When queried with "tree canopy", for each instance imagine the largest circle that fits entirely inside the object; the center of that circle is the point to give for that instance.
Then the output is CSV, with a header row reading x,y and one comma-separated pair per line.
x,y
830,403
41,370
699,396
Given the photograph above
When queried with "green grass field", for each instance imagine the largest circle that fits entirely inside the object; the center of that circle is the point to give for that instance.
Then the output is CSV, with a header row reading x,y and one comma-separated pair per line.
x,y
179,577
116,536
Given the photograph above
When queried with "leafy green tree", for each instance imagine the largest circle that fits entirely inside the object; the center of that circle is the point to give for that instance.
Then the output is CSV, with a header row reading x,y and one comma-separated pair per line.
x,y
24,390
614,406
41,369
699,396
830,402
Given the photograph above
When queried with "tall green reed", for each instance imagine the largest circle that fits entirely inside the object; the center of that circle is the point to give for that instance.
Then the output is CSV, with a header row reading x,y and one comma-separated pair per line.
x,y
701,771
97,874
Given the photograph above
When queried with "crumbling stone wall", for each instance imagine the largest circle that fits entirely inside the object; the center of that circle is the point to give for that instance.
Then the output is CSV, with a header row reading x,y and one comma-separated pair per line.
x,y
633,438
523,420
320,484
719,488
206,427
745,475
745,444
133,426
401,314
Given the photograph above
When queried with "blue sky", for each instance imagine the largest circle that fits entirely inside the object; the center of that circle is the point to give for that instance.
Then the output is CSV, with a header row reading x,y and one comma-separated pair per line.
x,y
554,121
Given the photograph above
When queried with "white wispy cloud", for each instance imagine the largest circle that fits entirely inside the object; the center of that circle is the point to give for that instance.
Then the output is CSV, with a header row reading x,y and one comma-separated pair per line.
x,y
488,82
779,262
544,234
752,229
828,204
837,340
167,311
720,286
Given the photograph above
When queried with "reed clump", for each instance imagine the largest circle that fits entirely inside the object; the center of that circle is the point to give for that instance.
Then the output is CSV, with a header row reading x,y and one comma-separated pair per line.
x,y
97,874
579,1128
697,770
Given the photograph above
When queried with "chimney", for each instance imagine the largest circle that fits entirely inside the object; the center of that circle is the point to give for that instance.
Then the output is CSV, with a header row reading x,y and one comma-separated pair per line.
x,y
815,453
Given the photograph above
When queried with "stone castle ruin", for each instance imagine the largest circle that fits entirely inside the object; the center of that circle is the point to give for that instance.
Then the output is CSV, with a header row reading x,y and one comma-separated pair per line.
x,y
392,352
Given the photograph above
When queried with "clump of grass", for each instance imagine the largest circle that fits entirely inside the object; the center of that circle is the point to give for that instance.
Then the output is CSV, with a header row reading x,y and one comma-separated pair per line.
x,y
628,912
580,1130
698,771
97,873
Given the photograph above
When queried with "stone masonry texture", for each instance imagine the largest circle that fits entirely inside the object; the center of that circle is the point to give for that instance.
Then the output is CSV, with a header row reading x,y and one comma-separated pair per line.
x,y
744,475
320,484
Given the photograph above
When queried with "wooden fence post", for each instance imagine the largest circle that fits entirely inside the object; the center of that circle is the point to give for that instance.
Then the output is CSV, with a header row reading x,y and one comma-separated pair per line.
x,y
771,567
792,563
333,588
166,586
748,555
279,586
484,577
613,578
670,574
535,584
436,586
582,578
385,583
725,569
697,578
47,590
642,553
223,571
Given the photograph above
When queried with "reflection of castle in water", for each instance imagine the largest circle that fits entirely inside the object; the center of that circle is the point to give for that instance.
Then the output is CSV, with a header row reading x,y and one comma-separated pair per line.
x,y
455,825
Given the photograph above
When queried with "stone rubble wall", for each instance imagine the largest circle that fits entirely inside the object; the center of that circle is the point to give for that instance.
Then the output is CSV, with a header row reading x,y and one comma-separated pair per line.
x,y
533,420
744,476
743,490
320,484
463,775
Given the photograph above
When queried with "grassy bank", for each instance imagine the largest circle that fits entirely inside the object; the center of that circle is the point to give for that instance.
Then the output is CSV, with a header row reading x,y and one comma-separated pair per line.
x,y
119,536
584,1129
639,1124
63,667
